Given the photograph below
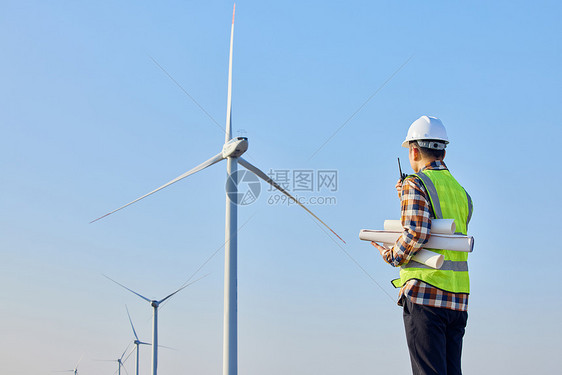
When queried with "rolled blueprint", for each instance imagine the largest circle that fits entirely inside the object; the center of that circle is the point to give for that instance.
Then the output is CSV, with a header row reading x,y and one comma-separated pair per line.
x,y
436,241
429,258
440,226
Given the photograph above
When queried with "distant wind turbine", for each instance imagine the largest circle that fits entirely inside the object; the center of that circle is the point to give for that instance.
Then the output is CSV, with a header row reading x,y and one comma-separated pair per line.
x,y
232,151
75,369
155,304
137,342
119,361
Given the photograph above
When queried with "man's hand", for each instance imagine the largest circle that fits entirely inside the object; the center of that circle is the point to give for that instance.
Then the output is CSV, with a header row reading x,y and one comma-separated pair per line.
x,y
399,188
380,248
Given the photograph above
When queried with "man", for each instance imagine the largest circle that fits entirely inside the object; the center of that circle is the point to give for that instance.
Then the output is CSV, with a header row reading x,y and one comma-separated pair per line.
x,y
434,301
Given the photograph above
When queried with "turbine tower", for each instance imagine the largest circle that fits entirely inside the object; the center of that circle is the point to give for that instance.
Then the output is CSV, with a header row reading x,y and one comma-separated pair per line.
x,y
232,151
155,304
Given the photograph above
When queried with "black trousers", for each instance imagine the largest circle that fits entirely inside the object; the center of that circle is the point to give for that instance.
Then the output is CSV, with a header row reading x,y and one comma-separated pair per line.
x,y
434,337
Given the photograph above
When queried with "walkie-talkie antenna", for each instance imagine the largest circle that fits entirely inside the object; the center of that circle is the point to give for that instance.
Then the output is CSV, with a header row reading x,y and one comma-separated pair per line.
x,y
402,175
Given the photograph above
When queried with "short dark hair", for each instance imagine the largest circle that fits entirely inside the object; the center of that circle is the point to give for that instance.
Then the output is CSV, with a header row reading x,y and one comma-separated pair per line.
x,y
429,152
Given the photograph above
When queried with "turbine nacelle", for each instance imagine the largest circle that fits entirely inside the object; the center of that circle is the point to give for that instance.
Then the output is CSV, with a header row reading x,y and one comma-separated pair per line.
x,y
235,147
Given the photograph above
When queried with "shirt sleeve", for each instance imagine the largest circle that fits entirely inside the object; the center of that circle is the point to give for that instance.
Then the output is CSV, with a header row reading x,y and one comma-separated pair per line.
x,y
416,221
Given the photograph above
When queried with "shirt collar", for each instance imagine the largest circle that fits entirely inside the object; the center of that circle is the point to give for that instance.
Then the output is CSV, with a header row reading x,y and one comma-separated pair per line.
x,y
435,164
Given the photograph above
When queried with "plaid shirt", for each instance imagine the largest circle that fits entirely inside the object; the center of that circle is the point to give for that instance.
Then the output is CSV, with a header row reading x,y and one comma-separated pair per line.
x,y
416,220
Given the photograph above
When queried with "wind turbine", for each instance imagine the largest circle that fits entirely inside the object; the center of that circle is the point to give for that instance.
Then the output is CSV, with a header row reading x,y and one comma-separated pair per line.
x,y
119,361
155,304
75,369
232,151
137,342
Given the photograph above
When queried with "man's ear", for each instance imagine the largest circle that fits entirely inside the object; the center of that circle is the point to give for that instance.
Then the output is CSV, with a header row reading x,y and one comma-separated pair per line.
x,y
416,154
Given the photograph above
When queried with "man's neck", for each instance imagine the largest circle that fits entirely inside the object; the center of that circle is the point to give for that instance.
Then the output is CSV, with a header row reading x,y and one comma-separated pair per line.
x,y
422,163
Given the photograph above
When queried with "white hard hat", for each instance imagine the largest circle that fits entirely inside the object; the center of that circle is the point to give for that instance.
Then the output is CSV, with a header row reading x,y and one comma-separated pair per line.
x,y
430,128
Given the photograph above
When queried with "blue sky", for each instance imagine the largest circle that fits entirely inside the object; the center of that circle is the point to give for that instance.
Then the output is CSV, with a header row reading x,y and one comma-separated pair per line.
x,y
90,122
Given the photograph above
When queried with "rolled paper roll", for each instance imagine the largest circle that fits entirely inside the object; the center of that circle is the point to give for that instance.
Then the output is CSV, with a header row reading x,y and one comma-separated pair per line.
x,y
436,241
383,236
427,257
439,226
453,242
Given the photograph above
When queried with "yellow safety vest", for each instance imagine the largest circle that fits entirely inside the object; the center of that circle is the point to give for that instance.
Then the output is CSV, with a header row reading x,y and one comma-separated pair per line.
x,y
448,200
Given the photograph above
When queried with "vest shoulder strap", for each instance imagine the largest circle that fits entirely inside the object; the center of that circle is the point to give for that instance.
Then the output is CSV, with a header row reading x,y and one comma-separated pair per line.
x,y
432,192
434,197
470,208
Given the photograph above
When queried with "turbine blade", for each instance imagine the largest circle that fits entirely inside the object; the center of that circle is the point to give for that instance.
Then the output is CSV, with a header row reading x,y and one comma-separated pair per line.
x,y
125,351
80,360
170,295
132,291
181,288
145,343
205,164
130,321
128,355
270,181
228,134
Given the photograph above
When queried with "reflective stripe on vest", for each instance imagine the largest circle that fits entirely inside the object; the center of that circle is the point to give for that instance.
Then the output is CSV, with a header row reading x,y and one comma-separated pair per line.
x,y
448,265
448,200
469,209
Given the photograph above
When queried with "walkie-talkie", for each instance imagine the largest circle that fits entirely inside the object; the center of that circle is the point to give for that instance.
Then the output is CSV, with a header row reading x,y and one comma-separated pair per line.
x,y
402,175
